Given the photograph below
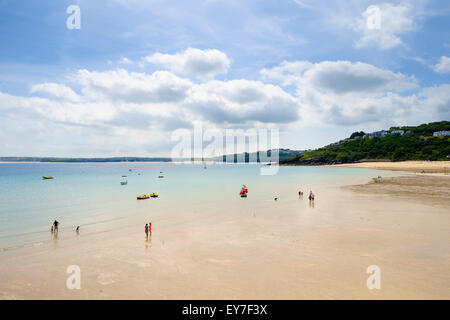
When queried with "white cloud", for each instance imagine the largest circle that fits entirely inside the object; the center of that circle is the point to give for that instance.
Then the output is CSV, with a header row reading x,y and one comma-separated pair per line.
x,y
347,94
286,73
55,90
443,66
121,85
381,26
339,77
125,60
204,64
243,102
120,112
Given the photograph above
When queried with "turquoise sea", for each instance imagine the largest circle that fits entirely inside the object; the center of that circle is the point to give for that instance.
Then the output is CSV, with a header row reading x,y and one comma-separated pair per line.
x,y
90,194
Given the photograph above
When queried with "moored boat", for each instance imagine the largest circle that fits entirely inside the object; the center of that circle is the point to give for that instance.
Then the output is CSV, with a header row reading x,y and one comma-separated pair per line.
x,y
243,192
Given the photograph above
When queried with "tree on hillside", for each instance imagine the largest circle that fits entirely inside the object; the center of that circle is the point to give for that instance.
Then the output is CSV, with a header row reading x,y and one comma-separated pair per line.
x,y
357,134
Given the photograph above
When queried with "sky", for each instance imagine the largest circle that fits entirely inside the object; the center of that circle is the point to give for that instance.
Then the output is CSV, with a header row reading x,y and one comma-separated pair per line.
x,y
132,72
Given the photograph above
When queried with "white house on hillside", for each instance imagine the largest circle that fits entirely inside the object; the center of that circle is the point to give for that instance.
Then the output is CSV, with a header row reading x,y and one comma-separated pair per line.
x,y
441,133
381,133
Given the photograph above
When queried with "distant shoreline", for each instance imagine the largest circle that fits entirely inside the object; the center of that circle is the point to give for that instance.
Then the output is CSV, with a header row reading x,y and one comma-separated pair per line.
x,y
87,162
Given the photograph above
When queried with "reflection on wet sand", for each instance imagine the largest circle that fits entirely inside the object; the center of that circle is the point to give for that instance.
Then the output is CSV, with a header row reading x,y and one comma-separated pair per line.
x,y
148,242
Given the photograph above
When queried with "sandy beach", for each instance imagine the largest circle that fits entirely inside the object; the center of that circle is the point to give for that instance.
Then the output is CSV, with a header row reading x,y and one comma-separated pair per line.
x,y
410,166
285,249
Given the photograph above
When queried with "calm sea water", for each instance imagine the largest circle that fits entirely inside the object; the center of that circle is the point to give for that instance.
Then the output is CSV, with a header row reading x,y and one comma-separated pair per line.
x,y
90,194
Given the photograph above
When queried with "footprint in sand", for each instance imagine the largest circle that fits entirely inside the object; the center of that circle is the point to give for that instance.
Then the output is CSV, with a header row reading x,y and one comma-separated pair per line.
x,y
106,278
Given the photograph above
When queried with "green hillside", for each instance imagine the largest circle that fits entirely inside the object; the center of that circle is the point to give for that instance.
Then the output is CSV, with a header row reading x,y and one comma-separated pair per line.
x,y
416,143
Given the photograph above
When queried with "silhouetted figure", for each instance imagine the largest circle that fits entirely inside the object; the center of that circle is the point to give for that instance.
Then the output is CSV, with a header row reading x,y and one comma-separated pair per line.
x,y
146,231
77,230
55,224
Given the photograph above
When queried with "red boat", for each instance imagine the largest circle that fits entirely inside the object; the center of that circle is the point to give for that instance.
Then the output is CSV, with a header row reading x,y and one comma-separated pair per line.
x,y
243,192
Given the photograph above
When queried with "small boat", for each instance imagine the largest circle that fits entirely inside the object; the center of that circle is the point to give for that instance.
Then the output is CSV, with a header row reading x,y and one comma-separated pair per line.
x,y
243,192
122,183
144,196
160,176
154,195
47,177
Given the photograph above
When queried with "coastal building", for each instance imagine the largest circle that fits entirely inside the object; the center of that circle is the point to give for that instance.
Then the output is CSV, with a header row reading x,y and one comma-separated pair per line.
x,y
400,132
441,134
380,134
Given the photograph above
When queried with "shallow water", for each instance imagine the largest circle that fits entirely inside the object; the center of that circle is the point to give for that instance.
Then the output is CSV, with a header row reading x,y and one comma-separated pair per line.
x,y
90,194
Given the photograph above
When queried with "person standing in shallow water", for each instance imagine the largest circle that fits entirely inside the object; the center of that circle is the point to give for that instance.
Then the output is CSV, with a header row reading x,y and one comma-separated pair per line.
x,y
56,223
150,229
146,231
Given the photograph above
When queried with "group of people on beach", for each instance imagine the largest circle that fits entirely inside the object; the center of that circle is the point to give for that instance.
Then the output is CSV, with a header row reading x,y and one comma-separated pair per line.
x,y
148,230
310,197
54,228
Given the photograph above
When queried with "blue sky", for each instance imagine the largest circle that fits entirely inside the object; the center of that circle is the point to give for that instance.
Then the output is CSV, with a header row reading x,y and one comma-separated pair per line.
x,y
137,70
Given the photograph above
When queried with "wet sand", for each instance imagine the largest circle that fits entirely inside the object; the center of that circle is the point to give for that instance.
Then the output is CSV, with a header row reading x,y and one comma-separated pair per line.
x,y
285,249
431,189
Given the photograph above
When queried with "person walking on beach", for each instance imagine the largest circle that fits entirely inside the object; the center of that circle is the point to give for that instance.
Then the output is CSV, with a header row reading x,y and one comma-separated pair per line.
x,y
56,223
311,196
146,231
150,229
77,230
